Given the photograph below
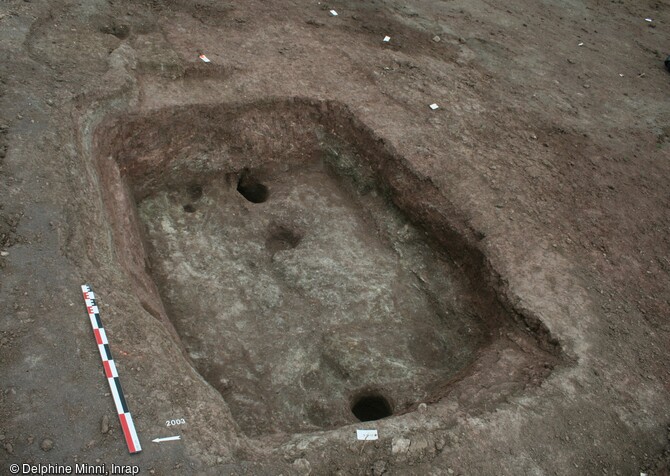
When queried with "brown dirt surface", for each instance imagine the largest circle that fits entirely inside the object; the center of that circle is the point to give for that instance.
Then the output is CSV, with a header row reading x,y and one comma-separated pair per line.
x,y
288,239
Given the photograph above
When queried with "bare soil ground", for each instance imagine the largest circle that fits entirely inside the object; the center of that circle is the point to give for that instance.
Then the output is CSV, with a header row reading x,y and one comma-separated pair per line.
x,y
290,230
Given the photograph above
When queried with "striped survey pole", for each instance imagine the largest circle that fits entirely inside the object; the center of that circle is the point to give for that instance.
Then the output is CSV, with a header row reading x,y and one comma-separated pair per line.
x,y
126,419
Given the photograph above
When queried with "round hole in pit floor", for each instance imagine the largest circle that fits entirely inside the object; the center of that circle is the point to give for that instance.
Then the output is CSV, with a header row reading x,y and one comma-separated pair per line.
x,y
282,238
251,189
371,407
188,208
254,192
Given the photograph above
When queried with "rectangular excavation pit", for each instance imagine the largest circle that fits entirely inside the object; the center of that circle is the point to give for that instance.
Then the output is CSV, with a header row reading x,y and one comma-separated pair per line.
x,y
310,277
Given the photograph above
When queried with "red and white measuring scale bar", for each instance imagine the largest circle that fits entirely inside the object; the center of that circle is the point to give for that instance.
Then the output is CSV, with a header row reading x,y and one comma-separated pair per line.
x,y
127,424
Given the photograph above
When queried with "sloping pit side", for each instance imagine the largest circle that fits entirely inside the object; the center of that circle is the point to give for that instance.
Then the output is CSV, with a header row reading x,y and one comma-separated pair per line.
x,y
312,278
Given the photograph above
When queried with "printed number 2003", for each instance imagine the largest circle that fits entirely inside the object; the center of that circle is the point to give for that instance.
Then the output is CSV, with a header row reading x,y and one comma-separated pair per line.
x,y
178,421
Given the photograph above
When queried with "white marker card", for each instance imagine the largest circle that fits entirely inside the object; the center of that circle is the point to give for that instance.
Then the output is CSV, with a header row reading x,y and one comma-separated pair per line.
x,y
367,435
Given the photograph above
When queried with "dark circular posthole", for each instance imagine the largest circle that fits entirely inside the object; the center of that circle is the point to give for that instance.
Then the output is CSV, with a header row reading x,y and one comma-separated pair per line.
x,y
371,407
251,188
188,208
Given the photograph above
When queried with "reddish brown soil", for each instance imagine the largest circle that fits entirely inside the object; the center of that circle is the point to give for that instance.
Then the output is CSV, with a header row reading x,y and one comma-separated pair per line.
x,y
543,175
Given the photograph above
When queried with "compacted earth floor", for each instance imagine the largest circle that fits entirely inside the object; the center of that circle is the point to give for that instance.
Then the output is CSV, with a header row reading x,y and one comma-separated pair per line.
x,y
446,223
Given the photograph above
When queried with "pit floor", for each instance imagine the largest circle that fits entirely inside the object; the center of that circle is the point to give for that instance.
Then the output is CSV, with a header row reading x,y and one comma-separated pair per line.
x,y
292,307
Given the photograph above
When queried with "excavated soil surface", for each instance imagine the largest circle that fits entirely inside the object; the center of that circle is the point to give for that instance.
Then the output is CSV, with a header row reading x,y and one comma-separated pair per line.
x,y
288,244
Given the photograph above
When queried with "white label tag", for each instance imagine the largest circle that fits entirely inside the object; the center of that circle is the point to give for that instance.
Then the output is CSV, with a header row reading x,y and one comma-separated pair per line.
x,y
367,435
